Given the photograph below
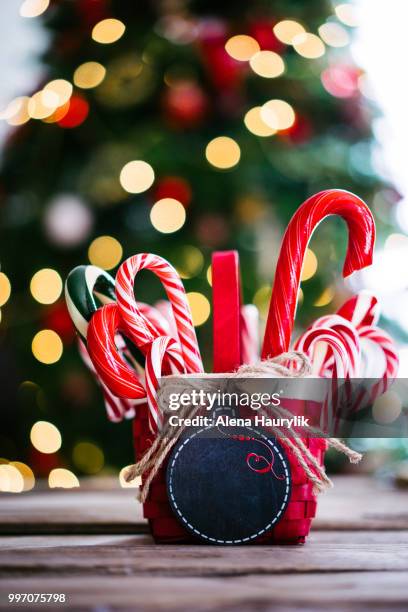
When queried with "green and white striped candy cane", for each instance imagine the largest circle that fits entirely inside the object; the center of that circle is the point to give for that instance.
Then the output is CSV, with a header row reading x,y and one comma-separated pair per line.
x,y
87,288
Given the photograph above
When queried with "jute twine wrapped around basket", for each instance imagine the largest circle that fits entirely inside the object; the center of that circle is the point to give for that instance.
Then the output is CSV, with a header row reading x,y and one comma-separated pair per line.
x,y
305,454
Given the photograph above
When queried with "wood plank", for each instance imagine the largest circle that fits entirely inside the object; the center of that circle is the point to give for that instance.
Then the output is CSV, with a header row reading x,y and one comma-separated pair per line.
x,y
137,555
100,506
343,591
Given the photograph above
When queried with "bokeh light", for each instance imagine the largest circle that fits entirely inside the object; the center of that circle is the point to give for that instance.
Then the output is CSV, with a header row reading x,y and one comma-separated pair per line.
x,y
325,297
11,480
190,261
60,478
105,252
88,457
278,114
255,124
136,176
287,30
167,215
45,437
47,346
42,104
108,31
262,298
5,289
334,34
347,14
200,307
46,286
309,265
242,47
27,474
33,8
309,45
267,64
61,88
387,408
223,152
16,112
209,275
128,485
89,75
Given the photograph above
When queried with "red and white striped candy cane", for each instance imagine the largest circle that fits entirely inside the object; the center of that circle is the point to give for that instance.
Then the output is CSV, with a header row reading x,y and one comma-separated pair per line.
x,y
381,339
159,348
139,328
117,408
249,333
283,302
361,309
323,358
342,351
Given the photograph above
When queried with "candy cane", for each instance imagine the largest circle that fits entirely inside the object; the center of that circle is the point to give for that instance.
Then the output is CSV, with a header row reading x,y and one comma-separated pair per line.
x,y
160,347
387,345
361,309
112,369
361,228
116,408
249,333
323,360
139,328
342,351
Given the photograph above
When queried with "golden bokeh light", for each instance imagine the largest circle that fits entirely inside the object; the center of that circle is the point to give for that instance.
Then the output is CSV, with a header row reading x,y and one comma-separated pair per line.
x,y
308,45
267,64
11,480
136,176
16,112
309,265
89,75
5,289
45,437
223,152
200,307
262,298
27,474
47,346
387,408
60,89
191,261
33,8
347,14
325,297
256,125
39,105
108,31
60,478
88,457
278,114
105,252
46,286
128,485
334,34
287,30
167,215
242,47
209,275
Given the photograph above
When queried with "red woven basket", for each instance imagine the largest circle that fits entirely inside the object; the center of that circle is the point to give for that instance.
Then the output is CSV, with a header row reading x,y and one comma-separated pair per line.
x,y
293,528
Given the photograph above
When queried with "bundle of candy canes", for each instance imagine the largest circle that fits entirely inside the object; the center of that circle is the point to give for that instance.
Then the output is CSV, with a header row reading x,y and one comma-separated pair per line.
x,y
129,345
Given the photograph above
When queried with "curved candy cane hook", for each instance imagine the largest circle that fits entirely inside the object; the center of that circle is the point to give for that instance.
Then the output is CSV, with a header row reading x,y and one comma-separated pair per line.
x,y
361,229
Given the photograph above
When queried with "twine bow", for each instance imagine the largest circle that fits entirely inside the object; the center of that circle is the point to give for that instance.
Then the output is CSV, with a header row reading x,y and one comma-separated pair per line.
x,y
293,364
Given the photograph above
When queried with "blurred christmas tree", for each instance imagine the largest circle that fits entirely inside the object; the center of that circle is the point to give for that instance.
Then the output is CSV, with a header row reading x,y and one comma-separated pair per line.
x,y
172,127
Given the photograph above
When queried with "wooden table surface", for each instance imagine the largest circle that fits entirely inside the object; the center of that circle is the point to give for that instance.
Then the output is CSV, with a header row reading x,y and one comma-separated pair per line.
x,y
92,544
